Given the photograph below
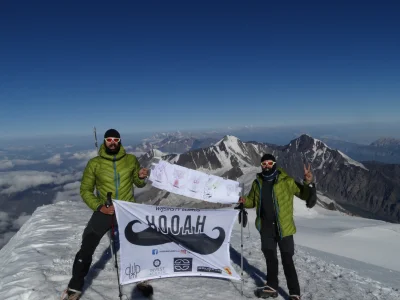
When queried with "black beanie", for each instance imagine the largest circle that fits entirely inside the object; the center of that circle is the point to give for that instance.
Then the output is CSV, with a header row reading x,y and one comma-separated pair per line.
x,y
268,157
112,133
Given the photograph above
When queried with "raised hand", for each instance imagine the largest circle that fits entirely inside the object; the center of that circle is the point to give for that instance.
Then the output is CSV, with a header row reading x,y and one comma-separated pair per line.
x,y
143,173
308,176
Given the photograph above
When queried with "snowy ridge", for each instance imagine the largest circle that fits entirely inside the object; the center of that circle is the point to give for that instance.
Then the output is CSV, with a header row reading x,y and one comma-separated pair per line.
x,y
228,139
158,153
317,141
174,159
350,161
229,152
319,153
317,144
235,147
232,146
37,262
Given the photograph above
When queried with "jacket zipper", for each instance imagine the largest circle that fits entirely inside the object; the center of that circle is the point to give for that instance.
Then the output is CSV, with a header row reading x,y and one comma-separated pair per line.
x,y
276,207
259,206
115,177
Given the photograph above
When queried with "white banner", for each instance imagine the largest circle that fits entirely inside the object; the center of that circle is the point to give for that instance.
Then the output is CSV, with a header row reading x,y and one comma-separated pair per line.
x,y
159,241
187,182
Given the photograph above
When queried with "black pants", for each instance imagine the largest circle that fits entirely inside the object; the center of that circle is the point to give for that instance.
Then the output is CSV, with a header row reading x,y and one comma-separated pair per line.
x,y
286,247
97,226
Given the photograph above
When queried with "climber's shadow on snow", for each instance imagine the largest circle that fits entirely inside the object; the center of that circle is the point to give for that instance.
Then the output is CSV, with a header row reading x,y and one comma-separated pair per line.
x,y
256,274
98,266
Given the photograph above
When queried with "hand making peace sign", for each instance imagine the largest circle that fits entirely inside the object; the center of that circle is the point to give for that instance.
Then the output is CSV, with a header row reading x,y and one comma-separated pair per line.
x,y
308,176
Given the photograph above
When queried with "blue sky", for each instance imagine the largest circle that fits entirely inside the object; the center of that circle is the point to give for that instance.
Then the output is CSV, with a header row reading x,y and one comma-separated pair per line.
x,y
166,65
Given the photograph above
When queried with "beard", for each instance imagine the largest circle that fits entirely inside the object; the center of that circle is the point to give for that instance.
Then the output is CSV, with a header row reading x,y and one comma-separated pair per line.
x,y
114,150
267,172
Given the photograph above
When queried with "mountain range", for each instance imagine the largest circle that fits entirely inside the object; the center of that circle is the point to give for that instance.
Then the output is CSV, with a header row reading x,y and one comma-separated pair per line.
x,y
386,150
365,189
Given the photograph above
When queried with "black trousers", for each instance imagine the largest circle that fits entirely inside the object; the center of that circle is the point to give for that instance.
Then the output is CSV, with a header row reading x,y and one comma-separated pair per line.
x,y
286,247
97,226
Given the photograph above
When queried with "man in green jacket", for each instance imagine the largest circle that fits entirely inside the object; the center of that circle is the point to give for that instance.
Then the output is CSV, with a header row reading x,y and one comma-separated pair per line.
x,y
113,170
272,194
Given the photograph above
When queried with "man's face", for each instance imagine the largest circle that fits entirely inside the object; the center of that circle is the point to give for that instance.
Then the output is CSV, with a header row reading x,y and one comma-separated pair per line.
x,y
267,164
112,143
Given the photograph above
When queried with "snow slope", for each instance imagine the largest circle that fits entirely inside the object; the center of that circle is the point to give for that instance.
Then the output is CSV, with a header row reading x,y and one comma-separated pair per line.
x,y
36,263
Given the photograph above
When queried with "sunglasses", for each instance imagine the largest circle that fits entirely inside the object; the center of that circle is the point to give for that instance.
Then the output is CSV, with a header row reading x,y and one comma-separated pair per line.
x,y
115,140
268,163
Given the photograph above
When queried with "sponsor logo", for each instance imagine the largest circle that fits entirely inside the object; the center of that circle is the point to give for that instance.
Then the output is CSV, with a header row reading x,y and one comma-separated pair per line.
x,y
132,271
183,264
168,251
157,271
208,270
157,263
228,270
182,251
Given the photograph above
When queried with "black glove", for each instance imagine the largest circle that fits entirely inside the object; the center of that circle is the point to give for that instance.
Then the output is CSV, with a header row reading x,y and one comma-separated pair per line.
x,y
312,200
242,215
109,201
239,206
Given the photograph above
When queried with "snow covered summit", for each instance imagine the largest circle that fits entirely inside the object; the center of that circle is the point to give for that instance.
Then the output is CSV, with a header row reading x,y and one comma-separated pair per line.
x,y
37,261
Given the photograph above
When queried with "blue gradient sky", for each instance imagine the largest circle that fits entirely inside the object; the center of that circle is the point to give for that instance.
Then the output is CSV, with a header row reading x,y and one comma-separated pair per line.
x,y
167,65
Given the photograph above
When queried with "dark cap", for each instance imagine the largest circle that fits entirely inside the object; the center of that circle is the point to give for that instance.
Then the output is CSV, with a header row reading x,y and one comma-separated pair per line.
x,y
268,157
112,133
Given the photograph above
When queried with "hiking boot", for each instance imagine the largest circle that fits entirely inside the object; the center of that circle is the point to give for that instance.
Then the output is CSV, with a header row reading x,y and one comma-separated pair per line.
x,y
294,297
71,294
266,292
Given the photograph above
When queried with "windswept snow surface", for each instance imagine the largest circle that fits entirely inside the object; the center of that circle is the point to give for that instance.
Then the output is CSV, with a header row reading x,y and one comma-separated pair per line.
x,y
37,261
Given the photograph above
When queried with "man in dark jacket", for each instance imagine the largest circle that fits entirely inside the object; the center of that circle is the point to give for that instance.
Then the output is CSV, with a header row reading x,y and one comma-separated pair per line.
x,y
115,171
272,194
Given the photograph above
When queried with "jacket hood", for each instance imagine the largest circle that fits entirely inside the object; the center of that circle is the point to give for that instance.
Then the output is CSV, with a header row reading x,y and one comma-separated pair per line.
x,y
121,153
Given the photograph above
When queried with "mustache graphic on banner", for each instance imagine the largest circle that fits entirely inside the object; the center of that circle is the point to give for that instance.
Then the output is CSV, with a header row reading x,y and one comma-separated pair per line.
x,y
196,242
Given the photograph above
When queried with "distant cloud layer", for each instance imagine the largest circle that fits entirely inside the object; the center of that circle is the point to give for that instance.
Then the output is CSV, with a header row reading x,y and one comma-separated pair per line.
x,y
84,155
6,164
17,223
70,192
24,162
55,160
8,223
72,186
4,220
18,181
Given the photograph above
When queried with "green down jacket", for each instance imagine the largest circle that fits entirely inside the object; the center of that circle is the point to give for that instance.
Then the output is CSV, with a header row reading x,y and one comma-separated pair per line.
x,y
285,187
110,173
